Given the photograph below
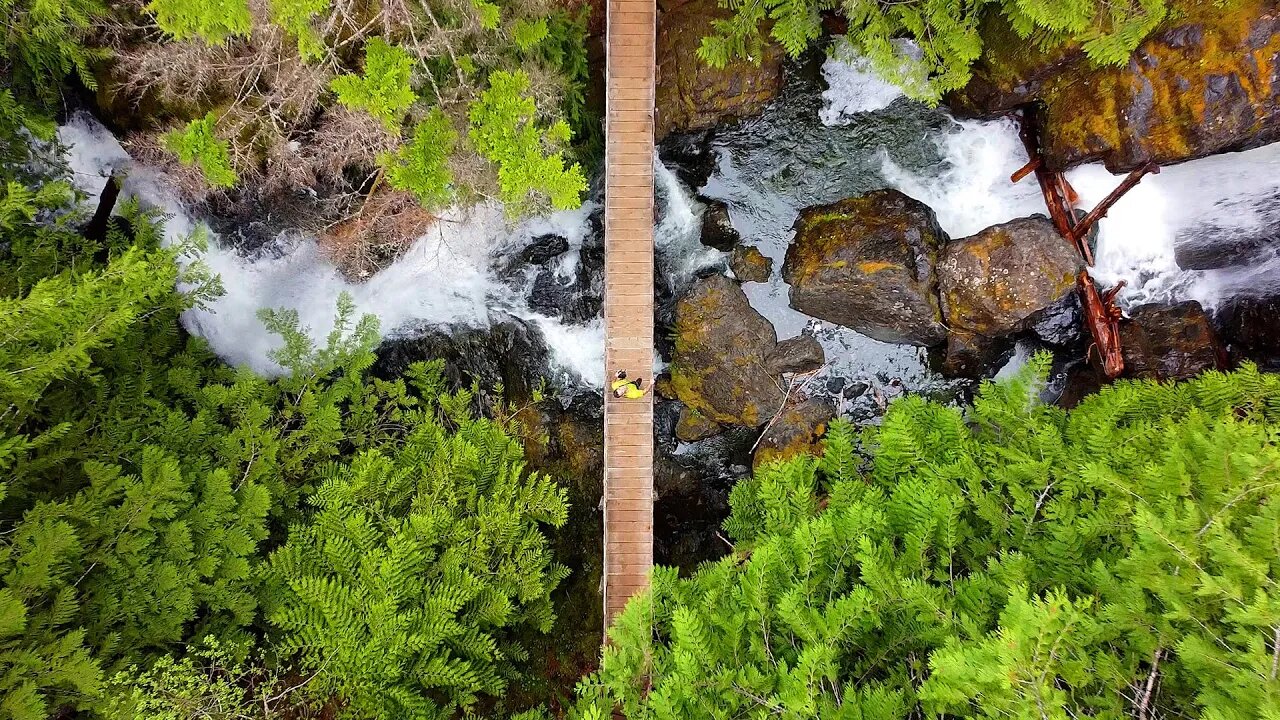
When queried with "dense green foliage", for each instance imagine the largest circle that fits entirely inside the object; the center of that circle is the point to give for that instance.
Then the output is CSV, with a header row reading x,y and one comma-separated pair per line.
x,y
946,32
154,498
278,96
196,145
1013,560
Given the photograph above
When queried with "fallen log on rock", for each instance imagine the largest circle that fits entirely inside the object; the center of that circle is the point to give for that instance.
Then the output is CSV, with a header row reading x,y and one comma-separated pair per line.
x,y
1101,315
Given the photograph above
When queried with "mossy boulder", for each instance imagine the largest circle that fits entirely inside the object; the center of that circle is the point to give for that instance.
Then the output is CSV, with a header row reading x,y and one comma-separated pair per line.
x,y
797,431
867,263
996,282
718,367
1205,82
694,426
749,264
690,95
1170,342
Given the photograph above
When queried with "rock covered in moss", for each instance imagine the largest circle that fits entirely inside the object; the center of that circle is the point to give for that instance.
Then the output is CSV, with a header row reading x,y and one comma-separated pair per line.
x,y
867,263
996,282
689,94
797,431
800,354
694,426
1170,342
718,367
1203,83
749,264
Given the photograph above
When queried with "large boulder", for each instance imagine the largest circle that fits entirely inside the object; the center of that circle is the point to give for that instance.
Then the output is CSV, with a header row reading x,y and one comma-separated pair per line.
x,y
1203,83
798,430
998,281
721,343
692,96
1170,342
1248,326
867,263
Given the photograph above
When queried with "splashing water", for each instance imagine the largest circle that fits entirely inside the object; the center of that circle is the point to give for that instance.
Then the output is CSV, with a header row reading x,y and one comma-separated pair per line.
x,y
853,85
445,278
1206,201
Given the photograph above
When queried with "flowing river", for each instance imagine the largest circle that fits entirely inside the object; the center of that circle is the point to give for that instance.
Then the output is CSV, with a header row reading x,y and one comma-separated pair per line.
x,y
834,133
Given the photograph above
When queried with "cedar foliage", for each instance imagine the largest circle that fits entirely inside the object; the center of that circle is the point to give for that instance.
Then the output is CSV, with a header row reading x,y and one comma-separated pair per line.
x,y
946,32
269,97
1014,560
145,485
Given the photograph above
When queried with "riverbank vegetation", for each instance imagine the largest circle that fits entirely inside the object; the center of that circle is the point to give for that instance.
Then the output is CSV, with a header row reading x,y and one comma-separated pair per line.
x,y
1007,560
945,33
183,539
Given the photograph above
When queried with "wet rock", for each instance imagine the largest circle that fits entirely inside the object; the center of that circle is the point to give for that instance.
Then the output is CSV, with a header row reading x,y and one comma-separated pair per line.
x,y
855,390
1170,342
572,298
691,95
509,354
694,426
689,156
867,263
718,367
1203,83
1212,246
797,431
995,283
717,229
1060,323
543,248
974,356
749,264
799,354
1250,327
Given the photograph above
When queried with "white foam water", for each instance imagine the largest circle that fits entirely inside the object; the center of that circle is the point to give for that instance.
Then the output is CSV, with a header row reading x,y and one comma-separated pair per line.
x,y
853,85
1212,197
446,278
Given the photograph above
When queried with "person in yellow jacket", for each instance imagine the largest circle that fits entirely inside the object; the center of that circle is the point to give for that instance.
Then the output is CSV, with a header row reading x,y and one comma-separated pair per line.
x,y
629,389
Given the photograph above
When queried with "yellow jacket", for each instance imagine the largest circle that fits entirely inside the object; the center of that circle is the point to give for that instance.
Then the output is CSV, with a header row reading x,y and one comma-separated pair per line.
x,y
629,389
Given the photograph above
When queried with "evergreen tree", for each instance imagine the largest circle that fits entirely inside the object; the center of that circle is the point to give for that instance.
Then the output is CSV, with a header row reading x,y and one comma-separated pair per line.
x,y
1010,560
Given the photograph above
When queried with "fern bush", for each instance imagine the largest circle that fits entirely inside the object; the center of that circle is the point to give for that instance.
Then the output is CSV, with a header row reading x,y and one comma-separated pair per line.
x,y
144,484
1011,560
452,103
196,144
402,588
945,31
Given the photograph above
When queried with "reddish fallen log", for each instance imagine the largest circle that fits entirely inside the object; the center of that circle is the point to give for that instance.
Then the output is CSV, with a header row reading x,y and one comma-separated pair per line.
x,y
1102,318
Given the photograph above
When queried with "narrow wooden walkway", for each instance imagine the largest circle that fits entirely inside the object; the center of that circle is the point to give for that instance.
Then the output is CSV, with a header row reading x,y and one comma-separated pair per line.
x,y
628,300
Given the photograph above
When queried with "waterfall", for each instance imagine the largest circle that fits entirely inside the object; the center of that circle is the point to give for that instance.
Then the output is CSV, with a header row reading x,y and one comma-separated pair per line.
x,y
446,278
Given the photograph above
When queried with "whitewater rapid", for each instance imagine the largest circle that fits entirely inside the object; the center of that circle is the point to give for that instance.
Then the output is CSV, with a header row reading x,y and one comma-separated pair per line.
x,y
1201,201
446,278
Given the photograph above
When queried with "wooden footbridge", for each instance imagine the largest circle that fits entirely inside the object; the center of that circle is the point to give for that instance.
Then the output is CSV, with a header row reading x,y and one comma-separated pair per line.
x,y
628,299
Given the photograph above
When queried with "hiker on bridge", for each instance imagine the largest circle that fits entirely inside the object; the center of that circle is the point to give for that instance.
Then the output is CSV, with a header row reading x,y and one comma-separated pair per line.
x,y
629,389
